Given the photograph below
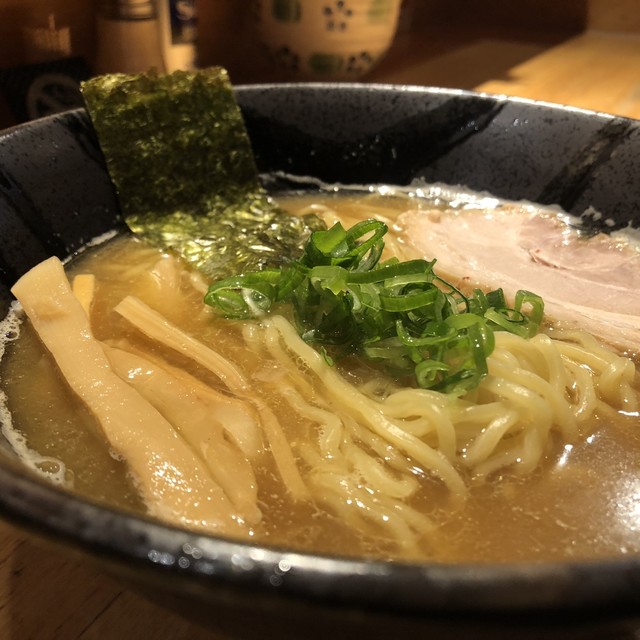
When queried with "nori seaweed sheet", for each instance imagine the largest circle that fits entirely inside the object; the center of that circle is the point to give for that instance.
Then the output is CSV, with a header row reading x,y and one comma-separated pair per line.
x,y
178,153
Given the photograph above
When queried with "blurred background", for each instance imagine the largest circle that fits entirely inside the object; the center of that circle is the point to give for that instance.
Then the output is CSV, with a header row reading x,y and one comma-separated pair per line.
x,y
580,52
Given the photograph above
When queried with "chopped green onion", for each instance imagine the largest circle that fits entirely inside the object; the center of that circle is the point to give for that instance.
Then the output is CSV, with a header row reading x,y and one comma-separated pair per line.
x,y
401,315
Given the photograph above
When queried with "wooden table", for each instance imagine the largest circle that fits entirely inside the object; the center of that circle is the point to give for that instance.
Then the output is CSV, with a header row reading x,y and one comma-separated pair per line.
x,y
593,70
45,594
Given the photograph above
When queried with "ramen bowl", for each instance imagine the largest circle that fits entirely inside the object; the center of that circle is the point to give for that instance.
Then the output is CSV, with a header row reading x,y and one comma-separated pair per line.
x,y
55,196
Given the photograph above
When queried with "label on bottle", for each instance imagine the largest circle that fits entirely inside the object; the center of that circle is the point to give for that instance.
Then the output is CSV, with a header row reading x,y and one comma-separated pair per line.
x,y
183,21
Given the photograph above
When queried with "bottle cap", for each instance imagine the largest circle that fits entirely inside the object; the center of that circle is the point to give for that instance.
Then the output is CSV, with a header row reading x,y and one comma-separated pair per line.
x,y
128,9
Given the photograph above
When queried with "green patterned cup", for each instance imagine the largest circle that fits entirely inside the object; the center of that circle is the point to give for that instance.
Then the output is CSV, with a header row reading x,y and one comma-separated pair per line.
x,y
326,40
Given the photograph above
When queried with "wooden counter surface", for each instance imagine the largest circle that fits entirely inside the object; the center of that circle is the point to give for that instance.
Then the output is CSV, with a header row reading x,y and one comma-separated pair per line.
x,y
592,70
47,595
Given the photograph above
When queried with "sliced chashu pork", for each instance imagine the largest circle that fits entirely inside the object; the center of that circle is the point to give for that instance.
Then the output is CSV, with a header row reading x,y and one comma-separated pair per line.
x,y
591,282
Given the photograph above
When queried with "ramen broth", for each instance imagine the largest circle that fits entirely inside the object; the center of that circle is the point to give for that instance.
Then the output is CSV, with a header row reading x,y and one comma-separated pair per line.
x,y
582,502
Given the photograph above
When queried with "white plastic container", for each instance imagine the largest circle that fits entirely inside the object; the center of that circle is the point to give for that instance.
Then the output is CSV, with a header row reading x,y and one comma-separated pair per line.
x,y
128,37
178,31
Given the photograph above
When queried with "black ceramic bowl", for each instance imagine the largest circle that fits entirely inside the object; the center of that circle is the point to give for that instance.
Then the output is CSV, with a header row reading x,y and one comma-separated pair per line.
x,y
55,195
